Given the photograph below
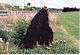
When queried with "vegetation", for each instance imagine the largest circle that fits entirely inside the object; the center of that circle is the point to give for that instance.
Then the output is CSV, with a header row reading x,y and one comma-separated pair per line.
x,y
1,8
3,34
70,22
20,29
28,4
10,7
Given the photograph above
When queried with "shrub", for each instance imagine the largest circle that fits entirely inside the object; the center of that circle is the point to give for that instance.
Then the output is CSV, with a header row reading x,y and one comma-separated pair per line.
x,y
20,29
3,34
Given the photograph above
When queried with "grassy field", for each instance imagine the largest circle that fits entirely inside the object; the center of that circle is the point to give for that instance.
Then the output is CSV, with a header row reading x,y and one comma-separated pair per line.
x,y
70,21
66,28
70,25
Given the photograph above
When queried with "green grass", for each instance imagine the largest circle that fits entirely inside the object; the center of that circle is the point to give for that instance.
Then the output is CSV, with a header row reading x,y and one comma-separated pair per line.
x,y
56,49
70,21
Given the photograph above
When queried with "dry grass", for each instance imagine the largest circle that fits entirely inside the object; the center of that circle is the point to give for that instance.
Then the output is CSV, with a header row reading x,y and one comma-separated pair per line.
x,y
54,24
57,27
8,21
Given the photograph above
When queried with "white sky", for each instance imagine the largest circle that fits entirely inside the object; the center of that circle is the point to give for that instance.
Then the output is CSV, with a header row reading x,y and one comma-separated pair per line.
x,y
48,3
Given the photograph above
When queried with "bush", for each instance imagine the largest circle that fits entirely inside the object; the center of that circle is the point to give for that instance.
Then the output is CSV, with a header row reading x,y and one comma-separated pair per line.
x,y
19,31
4,34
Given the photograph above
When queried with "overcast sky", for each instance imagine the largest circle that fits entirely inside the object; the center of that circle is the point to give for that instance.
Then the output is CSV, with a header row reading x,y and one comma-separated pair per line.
x,y
48,3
